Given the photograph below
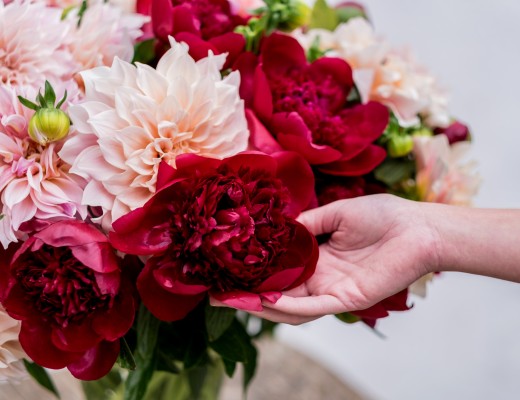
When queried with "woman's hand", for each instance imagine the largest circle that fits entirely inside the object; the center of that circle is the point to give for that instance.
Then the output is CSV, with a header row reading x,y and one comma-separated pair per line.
x,y
378,246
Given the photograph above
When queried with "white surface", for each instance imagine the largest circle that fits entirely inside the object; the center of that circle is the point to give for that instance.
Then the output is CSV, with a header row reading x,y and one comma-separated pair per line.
x,y
463,341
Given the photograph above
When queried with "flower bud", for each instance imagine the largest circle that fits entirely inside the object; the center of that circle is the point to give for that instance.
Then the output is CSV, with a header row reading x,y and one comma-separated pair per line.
x,y
48,125
399,146
456,132
422,132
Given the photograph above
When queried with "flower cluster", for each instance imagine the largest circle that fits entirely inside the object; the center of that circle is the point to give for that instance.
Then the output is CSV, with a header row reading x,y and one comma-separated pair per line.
x,y
156,154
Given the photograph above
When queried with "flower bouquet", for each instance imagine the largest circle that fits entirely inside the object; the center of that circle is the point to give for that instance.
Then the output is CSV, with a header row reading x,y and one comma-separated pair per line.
x,y
156,155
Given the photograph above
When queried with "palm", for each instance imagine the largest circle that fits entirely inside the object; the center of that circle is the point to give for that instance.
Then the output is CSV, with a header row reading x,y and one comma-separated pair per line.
x,y
379,246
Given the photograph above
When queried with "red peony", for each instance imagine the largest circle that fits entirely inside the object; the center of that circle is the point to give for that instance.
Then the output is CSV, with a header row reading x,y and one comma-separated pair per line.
x,y
223,227
397,302
304,108
203,24
65,285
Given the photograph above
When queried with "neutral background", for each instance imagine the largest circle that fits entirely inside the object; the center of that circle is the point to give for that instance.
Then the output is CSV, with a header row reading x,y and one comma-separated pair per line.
x,y
463,341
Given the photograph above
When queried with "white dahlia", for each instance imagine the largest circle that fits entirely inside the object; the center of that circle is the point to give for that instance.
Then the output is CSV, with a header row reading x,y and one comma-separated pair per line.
x,y
31,45
134,117
11,352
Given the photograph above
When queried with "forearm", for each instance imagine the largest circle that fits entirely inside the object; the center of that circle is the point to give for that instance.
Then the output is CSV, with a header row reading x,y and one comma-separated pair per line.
x,y
477,241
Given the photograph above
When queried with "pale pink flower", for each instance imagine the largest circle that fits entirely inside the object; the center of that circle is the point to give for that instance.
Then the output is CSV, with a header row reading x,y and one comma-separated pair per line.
x,y
34,181
31,45
245,7
443,174
105,32
11,352
383,74
134,117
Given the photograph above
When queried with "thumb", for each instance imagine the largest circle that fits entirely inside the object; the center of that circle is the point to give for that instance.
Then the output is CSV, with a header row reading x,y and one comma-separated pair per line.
x,y
322,220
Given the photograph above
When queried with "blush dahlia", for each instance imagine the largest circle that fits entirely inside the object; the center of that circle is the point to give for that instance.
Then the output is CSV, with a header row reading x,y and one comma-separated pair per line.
x,y
65,285
224,227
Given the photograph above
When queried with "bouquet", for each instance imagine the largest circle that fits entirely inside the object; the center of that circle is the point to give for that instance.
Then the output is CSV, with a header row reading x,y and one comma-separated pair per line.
x,y
154,155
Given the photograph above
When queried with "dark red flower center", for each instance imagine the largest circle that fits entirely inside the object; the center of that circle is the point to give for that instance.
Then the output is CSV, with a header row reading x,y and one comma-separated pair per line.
x,y
59,286
214,16
228,229
318,99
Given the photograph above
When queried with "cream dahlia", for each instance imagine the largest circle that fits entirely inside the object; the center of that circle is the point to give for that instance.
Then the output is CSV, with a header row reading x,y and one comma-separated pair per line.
x,y
11,352
443,176
383,74
34,181
31,45
105,32
134,117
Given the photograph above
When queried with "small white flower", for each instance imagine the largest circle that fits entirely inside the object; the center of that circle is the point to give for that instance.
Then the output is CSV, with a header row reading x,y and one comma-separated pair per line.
x,y
11,352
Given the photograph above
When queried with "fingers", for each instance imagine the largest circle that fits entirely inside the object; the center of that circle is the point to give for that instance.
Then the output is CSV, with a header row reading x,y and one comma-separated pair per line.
x,y
321,220
281,317
307,307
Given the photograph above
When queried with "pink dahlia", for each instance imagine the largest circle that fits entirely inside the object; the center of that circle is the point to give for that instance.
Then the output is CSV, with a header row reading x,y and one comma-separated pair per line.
x,y
66,286
134,117
304,108
105,32
32,48
34,181
226,228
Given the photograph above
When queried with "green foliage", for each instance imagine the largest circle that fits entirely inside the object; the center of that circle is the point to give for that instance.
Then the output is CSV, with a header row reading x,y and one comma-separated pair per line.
x,y
235,345
348,318
145,355
40,375
394,171
46,101
323,16
218,320
144,52
346,13
126,359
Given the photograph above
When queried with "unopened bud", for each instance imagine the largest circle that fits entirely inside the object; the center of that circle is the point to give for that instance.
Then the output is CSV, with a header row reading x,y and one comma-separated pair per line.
x,y
48,125
400,146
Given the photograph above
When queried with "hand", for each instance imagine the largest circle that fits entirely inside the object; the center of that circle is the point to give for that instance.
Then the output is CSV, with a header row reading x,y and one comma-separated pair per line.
x,y
379,245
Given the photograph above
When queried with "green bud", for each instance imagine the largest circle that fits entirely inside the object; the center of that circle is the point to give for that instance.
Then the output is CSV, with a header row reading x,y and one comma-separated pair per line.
x,y
48,125
422,132
399,146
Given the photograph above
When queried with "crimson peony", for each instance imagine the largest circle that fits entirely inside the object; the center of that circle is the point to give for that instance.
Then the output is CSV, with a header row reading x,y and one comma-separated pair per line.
x,y
203,24
223,227
65,285
305,109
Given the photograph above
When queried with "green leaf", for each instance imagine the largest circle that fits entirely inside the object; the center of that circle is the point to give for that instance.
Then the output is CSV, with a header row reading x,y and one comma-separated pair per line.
x,y
323,16
145,355
29,104
346,13
348,318
126,359
40,375
392,171
144,52
110,387
196,352
49,95
235,345
229,367
218,320
62,100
